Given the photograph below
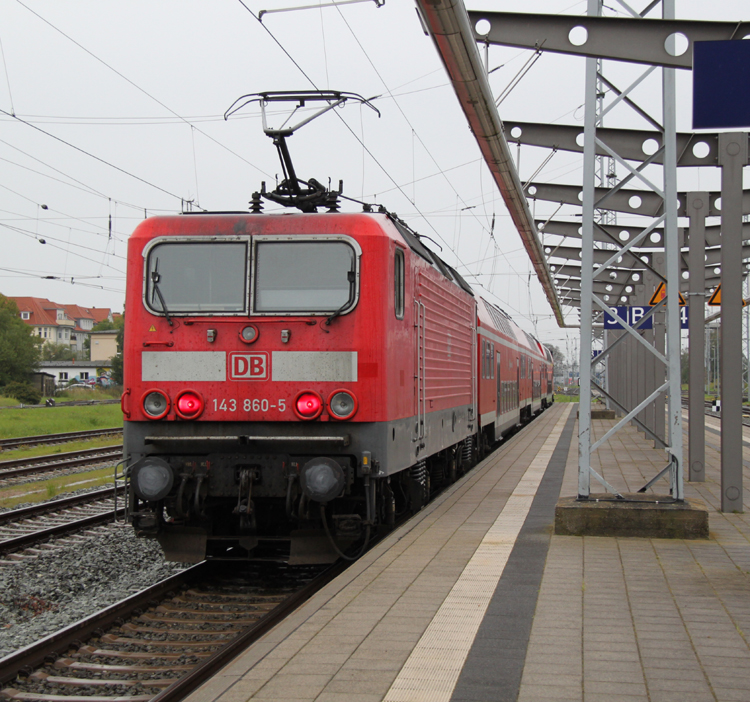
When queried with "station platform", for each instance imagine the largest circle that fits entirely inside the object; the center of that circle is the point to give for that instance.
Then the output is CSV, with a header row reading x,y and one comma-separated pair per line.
x,y
475,599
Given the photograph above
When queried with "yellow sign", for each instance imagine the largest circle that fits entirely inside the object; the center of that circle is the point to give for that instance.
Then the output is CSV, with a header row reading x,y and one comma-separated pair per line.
x,y
153,328
660,293
715,299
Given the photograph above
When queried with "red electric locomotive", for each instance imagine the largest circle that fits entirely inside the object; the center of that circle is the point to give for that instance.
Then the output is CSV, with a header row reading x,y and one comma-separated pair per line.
x,y
288,374
295,381
303,378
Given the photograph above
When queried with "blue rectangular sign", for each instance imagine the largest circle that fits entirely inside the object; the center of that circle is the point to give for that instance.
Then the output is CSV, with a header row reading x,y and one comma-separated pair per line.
x,y
633,316
721,74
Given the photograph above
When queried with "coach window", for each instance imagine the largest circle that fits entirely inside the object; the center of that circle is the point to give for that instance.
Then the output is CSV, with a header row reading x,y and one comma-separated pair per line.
x,y
492,360
398,283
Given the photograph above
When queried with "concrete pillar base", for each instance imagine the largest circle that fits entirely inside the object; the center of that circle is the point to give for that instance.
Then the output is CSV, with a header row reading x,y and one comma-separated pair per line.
x,y
639,514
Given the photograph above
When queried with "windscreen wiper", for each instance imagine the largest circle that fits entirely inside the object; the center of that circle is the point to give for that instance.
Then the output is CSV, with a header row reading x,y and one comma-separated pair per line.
x,y
155,278
350,276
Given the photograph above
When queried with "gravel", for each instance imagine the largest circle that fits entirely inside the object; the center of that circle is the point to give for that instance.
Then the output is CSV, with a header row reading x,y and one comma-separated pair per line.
x,y
57,588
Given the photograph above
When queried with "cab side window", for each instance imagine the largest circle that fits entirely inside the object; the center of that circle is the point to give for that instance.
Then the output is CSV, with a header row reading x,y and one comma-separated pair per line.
x,y
398,283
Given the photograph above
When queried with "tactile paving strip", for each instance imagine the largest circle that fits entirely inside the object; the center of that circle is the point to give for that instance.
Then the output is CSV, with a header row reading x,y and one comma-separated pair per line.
x,y
432,670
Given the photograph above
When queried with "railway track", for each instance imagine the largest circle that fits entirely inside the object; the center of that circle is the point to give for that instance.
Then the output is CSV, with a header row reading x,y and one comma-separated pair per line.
x,y
61,403
58,462
29,526
711,412
162,643
18,442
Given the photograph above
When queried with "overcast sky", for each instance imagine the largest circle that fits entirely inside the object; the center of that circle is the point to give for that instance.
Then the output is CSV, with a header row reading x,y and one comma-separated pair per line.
x,y
120,106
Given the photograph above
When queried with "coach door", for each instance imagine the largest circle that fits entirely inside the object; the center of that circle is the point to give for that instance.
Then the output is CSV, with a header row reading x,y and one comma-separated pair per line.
x,y
518,381
499,409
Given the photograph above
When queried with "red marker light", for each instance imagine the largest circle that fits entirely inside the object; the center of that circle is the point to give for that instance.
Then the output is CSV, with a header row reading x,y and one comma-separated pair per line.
x,y
308,405
189,404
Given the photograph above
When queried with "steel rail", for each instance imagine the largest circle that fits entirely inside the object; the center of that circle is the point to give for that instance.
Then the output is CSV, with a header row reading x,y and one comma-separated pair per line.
x,y
73,459
208,668
55,644
14,515
52,438
35,537
37,654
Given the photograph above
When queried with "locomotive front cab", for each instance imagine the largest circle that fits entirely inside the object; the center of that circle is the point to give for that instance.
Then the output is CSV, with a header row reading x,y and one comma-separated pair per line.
x,y
247,424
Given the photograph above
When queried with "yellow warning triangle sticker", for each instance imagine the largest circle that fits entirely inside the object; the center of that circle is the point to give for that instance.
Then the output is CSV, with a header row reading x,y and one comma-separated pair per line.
x,y
153,328
660,293
715,299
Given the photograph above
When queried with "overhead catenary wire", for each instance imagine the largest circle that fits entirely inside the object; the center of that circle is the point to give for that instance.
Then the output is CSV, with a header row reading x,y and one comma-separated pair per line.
x,y
43,240
518,77
415,134
7,77
73,280
139,88
81,185
51,222
364,146
34,202
424,145
90,155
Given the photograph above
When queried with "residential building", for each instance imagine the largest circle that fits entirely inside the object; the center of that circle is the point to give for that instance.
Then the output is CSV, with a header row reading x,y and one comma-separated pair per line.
x,y
75,371
103,345
60,324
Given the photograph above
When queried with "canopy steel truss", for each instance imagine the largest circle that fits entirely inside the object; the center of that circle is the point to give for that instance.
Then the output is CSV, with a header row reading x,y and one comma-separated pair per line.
x,y
617,264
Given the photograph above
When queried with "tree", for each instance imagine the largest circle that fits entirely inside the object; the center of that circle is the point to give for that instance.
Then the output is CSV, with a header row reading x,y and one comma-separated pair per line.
x,y
19,350
117,360
57,352
105,325
558,357
685,367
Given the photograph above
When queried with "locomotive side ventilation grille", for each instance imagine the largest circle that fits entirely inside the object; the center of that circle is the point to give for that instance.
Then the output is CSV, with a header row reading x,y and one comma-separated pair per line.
x,y
447,343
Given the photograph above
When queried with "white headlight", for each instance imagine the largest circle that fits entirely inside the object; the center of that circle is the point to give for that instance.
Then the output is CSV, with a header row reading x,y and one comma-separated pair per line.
x,y
155,404
152,479
342,404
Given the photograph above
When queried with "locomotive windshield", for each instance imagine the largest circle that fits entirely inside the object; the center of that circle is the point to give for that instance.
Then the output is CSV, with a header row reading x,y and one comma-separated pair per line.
x,y
303,276
201,276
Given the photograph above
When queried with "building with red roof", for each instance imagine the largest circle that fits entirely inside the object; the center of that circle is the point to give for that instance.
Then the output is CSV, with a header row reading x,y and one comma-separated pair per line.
x,y
60,324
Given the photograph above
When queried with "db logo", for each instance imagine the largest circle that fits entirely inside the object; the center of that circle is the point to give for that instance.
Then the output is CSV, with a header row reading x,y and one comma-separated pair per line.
x,y
248,366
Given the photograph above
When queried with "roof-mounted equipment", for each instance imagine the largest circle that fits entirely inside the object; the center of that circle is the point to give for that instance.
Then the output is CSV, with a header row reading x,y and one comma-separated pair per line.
x,y
292,191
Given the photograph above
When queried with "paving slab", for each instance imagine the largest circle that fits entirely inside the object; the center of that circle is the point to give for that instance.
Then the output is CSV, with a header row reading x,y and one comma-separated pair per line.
x,y
564,617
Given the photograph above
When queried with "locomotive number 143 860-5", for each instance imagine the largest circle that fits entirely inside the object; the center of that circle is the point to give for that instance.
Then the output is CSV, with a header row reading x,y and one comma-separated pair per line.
x,y
255,404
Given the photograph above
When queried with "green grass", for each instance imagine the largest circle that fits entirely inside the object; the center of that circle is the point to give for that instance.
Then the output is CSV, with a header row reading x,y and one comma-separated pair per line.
x,y
74,395
566,398
48,489
57,420
81,394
